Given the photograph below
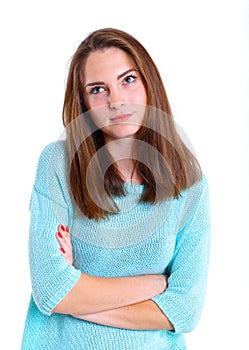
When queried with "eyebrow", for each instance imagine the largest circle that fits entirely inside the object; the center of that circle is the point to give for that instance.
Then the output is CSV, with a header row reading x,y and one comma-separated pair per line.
x,y
118,77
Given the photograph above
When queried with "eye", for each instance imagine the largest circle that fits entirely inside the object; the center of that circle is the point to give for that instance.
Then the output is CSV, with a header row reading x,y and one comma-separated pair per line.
x,y
129,79
96,90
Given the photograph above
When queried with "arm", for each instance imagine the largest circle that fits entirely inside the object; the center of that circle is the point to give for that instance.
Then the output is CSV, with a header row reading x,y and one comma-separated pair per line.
x,y
141,316
184,298
94,294
58,287
145,315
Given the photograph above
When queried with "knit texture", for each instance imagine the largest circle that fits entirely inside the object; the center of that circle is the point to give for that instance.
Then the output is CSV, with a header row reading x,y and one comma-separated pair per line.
x,y
171,237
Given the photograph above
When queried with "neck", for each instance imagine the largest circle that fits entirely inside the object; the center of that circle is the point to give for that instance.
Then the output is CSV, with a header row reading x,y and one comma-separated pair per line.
x,y
121,152
120,148
126,169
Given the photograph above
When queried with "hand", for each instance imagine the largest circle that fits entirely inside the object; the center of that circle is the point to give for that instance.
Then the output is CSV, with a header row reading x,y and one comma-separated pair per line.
x,y
64,239
164,282
161,282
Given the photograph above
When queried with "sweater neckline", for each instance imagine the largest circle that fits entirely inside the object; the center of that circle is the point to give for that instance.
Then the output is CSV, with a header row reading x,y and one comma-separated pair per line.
x,y
131,187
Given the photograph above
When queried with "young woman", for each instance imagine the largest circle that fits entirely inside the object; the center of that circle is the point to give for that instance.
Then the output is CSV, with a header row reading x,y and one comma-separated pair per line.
x,y
129,205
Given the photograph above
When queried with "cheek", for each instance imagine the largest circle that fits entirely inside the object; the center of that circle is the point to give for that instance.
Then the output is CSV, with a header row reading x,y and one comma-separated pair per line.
x,y
95,101
139,96
98,115
96,119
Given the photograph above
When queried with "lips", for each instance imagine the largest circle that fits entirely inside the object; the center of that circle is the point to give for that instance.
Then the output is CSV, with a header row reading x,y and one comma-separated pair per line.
x,y
121,118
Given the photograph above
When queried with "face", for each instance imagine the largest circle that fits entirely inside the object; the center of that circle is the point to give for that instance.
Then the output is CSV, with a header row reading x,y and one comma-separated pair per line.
x,y
114,93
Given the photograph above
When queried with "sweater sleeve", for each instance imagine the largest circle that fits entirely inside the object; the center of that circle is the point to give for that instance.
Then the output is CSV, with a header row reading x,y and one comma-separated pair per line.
x,y
183,300
51,277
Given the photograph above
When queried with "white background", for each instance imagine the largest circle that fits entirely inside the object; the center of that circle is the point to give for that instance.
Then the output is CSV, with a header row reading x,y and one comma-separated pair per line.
x,y
201,49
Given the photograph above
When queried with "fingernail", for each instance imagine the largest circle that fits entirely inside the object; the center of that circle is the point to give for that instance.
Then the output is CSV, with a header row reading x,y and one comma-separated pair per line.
x,y
59,234
62,250
67,228
63,228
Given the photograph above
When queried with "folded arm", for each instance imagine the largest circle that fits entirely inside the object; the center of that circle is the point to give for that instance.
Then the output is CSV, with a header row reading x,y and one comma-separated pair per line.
x,y
93,294
59,287
182,302
144,315
140,316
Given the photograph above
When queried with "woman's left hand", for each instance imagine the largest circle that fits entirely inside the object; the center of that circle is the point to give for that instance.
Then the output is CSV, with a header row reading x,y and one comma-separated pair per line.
x,y
64,239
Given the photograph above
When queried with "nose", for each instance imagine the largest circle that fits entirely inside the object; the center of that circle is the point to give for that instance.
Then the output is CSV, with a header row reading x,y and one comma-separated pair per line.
x,y
116,99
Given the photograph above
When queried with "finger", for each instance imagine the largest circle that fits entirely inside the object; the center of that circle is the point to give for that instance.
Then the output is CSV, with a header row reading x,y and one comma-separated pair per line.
x,y
64,243
64,232
63,236
64,239
67,256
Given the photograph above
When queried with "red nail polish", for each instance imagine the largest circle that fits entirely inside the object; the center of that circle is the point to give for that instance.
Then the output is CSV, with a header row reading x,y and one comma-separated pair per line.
x,y
67,228
63,228
59,234
62,250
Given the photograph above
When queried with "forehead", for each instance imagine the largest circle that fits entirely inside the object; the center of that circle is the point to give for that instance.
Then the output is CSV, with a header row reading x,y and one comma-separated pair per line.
x,y
107,61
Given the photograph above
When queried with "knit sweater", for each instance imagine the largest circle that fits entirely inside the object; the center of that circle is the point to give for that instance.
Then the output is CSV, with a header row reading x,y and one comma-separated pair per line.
x,y
172,237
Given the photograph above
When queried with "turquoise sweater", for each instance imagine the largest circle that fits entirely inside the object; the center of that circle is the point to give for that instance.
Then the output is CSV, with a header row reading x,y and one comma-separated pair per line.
x,y
171,237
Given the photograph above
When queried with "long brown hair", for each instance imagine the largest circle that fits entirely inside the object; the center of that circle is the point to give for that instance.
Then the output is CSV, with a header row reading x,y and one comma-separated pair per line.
x,y
165,172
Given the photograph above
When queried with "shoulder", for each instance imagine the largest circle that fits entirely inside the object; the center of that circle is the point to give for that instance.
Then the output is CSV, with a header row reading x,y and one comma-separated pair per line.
x,y
51,167
197,189
193,204
198,194
52,157
200,202
54,151
204,182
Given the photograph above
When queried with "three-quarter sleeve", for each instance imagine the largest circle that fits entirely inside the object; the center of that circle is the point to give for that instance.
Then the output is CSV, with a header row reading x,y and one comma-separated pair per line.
x,y
51,277
183,300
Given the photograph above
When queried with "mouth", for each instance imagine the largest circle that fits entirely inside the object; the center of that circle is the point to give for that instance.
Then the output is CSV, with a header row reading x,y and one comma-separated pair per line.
x,y
121,118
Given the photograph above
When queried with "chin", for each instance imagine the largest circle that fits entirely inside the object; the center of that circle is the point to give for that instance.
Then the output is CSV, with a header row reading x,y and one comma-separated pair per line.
x,y
121,131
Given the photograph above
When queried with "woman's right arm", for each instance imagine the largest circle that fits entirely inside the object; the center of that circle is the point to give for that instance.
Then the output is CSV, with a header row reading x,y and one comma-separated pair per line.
x,y
94,294
61,288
